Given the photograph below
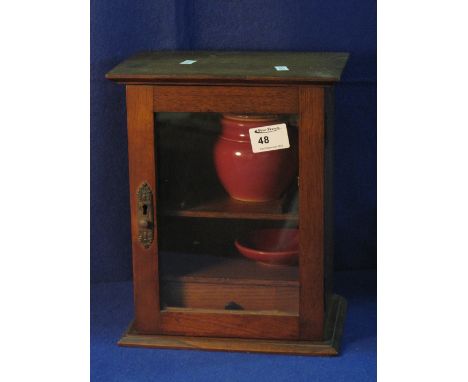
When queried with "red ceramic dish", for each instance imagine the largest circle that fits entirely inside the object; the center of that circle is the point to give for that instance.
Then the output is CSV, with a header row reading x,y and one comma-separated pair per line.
x,y
271,246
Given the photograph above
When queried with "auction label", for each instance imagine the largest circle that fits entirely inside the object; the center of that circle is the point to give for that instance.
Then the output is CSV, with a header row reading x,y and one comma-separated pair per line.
x,y
267,138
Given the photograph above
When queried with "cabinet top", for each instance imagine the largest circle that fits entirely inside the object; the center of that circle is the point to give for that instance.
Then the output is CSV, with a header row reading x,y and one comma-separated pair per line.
x,y
230,67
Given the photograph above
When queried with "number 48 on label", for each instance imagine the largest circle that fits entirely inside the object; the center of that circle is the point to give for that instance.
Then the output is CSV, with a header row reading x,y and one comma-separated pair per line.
x,y
266,138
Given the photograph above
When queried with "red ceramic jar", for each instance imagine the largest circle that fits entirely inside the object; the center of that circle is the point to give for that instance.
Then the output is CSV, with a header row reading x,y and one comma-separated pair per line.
x,y
248,176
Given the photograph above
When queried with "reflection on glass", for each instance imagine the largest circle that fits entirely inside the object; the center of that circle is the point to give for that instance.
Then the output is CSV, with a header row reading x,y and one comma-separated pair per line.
x,y
226,216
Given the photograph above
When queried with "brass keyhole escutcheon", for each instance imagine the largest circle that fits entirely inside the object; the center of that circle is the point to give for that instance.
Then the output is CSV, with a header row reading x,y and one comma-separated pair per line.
x,y
145,215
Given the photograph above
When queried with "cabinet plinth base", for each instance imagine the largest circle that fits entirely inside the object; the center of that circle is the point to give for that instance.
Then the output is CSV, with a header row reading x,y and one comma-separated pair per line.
x,y
330,346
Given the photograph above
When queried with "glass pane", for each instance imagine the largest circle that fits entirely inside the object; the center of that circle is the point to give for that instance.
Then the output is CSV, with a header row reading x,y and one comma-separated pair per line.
x,y
227,217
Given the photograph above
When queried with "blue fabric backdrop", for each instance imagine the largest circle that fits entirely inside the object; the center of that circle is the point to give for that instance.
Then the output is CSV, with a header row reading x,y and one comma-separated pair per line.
x,y
120,28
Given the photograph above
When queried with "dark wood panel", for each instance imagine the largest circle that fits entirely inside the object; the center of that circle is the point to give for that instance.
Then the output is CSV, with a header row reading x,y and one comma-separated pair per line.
x,y
164,66
225,99
328,195
207,236
234,269
141,159
329,346
231,282
233,324
311,212
226,295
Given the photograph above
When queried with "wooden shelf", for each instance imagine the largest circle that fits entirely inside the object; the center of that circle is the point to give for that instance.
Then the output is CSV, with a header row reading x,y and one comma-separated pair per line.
x,y
224,207
227,282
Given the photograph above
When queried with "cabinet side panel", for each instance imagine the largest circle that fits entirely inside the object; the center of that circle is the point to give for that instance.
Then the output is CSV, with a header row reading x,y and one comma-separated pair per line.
x,y
141,156
329,195
311,212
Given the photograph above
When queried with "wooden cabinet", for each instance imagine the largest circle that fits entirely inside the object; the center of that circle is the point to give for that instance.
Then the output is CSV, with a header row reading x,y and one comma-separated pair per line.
x,y
192,287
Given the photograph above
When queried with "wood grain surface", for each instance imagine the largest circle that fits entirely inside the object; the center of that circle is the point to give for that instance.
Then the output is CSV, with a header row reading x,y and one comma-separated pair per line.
x,y
237,324
226,99
311,212
328,194
236,67
141,159
217,282
329,346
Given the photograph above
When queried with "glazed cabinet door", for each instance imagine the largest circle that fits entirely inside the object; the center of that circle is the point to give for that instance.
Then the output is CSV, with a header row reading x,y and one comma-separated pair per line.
x,y
227,197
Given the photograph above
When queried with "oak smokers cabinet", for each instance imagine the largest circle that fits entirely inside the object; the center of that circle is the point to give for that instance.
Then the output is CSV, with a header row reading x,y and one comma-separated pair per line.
x,y
193,286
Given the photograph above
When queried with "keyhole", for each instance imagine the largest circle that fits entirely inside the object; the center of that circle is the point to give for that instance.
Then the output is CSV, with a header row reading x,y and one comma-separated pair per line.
x,y
145,209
